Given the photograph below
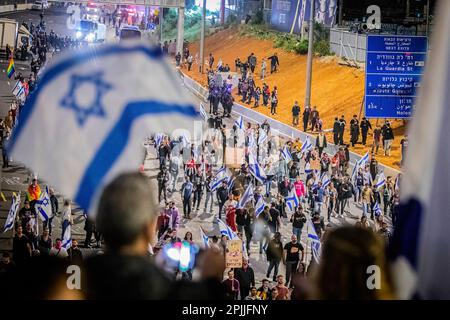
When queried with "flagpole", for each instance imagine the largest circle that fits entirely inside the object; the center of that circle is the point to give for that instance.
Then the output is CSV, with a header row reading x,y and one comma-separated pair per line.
x,y
307,244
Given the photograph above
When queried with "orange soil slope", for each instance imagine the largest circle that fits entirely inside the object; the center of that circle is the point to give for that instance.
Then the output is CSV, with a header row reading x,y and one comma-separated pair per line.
x,y
336,90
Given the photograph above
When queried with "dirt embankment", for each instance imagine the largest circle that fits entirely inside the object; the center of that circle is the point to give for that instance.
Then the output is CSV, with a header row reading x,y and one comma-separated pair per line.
x,y
336,90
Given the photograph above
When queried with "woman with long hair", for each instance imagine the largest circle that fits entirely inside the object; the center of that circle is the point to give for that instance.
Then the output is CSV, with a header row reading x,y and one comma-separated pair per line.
x,y
352,265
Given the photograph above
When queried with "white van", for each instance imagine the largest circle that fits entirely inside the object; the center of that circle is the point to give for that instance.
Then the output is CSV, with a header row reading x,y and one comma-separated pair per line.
x,y
90,31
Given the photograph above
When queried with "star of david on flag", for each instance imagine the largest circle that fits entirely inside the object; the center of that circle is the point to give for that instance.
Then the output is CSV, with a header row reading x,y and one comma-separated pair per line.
x,y
92,110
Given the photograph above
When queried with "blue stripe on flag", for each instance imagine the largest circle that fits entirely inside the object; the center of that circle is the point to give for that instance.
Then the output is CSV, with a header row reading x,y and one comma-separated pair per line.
x,y
116,141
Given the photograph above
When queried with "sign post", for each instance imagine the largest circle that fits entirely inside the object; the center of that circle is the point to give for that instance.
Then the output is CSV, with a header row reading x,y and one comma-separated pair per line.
x,y
394,66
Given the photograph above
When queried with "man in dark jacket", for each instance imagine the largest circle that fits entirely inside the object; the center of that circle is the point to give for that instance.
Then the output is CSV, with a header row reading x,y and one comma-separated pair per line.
x,y
388,137
274,255
365,126
336,131
354,130
252,62
306,114
342,124
163,178
295,114
274,62
321,142
246,278
222,197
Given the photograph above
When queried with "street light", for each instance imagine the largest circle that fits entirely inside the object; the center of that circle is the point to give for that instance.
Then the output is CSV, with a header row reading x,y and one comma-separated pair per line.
x,y
310,55
202,38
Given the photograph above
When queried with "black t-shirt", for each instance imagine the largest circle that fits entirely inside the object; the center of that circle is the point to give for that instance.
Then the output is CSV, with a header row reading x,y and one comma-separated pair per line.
x,y
293,251
298,220
274,213
20,248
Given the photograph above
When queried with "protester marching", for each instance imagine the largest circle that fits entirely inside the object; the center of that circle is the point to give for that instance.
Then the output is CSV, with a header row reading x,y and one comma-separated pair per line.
x,y
306,210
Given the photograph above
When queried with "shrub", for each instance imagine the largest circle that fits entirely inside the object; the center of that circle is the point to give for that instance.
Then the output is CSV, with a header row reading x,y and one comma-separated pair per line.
x,y
301,47
322,48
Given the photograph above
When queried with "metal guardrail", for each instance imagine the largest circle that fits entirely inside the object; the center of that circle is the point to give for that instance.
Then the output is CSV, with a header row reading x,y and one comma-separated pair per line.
x,y
284,129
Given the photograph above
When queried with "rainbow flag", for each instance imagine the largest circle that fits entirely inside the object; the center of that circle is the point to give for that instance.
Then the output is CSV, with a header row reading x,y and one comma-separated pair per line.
x,y
10,71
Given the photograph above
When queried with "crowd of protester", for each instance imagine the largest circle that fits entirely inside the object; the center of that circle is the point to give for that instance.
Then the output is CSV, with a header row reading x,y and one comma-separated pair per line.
x,y
293,184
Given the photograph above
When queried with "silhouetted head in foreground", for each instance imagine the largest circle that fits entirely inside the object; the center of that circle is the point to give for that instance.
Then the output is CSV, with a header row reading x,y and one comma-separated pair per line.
x,y
127,214
353,266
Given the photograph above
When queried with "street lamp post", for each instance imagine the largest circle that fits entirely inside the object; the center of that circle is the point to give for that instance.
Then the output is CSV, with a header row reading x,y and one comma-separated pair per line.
x,y
310,56
202,38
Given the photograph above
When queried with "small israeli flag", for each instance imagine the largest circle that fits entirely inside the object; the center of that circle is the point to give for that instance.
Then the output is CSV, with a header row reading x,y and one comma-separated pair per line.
x,y
109,98
185,140
381,181
239,123
361,163
397,183
377,209
203,112
325,180
67,238
306,146
226,230
246,197
316,245
255,169
230,184
292,201
251,140
18,89
204,238
286,154
308,168
43,206
9,224
158,139
262,136
260,205
220,176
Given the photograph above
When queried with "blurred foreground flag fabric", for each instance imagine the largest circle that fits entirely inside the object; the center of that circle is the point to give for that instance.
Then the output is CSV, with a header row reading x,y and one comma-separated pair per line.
x,y
420,247
90,113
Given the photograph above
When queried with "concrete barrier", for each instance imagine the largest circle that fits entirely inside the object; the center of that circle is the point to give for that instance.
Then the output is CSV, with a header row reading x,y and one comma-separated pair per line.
x,y
10,8
285,130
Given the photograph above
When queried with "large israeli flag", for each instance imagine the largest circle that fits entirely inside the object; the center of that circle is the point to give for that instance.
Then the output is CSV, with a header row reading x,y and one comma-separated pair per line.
x,y
85,122
44,206
421,240
9,223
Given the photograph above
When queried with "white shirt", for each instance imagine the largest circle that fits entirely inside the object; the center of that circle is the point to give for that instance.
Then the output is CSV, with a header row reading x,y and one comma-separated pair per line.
x,y
61,253
66,214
